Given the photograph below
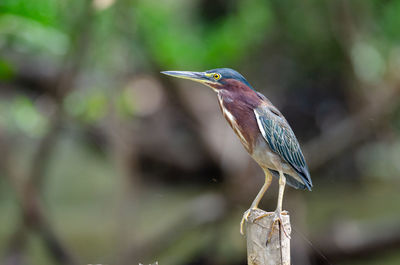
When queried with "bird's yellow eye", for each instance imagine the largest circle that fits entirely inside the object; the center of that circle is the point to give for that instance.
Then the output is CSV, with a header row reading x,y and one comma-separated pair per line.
x,y
217,76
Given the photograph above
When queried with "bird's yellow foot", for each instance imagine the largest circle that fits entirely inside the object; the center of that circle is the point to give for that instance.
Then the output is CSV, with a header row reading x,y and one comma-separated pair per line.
x,y
244,219
277,218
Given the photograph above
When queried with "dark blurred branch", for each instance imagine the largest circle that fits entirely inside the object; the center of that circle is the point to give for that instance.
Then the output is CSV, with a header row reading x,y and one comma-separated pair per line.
x,y
32,215
121,139
31,76
378,100
354,129
343,23
44,151
175,98
29,193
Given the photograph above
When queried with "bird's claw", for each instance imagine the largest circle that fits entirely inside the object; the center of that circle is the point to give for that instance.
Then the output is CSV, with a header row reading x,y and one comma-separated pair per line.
x,y
277,218
244,219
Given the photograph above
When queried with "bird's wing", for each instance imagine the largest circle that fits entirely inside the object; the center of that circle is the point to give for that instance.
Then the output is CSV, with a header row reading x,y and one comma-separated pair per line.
x,y
281,139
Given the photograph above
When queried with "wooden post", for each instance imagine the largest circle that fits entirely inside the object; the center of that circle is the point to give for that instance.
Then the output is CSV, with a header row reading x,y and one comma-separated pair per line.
x,y
259,250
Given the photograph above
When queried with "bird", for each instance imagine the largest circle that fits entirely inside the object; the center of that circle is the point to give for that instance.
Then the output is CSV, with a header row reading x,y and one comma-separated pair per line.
x,y
262,129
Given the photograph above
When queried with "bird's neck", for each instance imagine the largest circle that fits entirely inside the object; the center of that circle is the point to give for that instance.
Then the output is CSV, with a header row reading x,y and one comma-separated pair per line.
x,y
239,94
237,108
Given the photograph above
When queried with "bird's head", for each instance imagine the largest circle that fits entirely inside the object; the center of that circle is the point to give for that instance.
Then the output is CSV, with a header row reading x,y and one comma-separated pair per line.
x,y
220,78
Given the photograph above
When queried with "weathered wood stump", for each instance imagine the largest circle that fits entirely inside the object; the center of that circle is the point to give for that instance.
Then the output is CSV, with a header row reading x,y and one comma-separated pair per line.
x,y
264,247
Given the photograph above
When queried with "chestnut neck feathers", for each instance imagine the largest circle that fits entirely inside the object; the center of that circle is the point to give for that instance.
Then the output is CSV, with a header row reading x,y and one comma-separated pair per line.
x,y
237,102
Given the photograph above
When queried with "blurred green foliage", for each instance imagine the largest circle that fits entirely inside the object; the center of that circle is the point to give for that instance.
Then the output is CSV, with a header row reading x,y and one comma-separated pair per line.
x,y
89,106
27,35
187,43
22,116
43,11
6,70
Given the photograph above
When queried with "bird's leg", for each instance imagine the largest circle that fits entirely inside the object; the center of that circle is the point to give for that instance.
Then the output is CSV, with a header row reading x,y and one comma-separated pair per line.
x,y
278,211
282,183
254,205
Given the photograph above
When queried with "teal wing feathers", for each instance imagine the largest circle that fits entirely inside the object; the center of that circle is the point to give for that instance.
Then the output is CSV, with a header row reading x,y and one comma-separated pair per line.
x,y
281,139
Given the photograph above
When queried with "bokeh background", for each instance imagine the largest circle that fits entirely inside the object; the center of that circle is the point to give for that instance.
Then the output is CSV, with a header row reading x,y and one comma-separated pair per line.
x,y
104,160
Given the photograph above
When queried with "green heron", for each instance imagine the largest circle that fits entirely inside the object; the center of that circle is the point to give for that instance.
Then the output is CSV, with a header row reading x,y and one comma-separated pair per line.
x,y
262,129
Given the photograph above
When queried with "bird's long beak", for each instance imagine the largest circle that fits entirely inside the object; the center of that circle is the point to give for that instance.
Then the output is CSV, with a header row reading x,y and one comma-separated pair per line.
x,y
195,76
